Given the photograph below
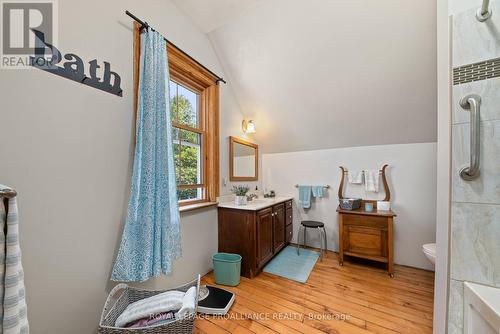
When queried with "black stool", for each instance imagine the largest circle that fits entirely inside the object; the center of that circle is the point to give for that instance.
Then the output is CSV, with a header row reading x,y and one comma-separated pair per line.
x,y
322,234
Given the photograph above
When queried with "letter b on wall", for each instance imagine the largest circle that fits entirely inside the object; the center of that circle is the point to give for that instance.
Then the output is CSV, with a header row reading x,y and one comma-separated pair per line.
x,y
18,18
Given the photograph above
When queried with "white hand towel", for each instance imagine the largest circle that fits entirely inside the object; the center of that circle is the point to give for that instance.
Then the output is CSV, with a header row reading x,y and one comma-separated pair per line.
x,y
163,302
355,177
371,180
187,303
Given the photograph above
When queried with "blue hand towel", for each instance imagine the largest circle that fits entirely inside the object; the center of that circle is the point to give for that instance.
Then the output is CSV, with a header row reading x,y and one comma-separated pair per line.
x,y
305,196
317,191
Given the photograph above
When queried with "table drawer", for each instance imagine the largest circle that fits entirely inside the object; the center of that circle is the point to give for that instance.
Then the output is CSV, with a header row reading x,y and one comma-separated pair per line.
x,y
365,241
368,221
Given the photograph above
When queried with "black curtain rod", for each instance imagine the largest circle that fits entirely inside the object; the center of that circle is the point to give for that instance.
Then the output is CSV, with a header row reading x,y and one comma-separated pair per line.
x,y
144,24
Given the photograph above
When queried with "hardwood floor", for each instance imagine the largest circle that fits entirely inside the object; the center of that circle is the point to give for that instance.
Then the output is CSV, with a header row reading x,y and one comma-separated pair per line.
x,y
349,299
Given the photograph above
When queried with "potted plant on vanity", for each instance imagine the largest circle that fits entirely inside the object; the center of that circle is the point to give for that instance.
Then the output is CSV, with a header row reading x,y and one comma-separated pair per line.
x,y
241,194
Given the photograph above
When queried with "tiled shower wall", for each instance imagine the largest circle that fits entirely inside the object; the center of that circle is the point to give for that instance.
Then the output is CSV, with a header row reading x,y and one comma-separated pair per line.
x,y
475,210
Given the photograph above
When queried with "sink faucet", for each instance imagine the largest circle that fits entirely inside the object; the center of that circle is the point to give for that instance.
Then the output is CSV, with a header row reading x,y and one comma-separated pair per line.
x,y
251,197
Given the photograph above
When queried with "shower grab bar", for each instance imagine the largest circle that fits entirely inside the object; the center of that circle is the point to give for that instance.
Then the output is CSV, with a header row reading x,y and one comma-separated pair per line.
x,y
472,103
484,12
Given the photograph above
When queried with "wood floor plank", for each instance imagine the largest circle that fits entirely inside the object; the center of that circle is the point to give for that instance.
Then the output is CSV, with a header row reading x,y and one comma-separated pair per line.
x,y
357,278
196,330
297,304
375,296
386,320
296,310
380,305
209,327
230,326
352,299
257,312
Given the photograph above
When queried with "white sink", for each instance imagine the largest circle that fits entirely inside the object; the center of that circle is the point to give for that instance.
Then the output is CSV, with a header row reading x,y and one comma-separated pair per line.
x,y
256,204
259,201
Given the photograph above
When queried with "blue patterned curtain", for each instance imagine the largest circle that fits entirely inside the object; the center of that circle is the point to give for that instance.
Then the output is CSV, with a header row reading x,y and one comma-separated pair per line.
x,y
151,238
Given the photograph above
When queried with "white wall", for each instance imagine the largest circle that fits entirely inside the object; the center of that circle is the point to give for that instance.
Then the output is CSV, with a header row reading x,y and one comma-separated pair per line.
x,y
67,149
319,68
411,177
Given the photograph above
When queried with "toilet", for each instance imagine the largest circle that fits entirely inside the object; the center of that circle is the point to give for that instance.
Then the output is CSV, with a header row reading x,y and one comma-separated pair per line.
x,y
430,252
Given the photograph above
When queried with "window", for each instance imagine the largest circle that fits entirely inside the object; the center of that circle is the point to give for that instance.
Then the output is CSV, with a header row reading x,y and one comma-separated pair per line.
x,y
194,108
188,136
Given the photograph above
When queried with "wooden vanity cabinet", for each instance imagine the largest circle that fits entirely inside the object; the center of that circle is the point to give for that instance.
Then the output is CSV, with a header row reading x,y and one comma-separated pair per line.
x,y
279,227
256,235
265,231
288,222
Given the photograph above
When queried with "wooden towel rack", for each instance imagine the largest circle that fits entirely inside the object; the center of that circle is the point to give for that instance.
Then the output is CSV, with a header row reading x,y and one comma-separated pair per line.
x,y
384,180
367,234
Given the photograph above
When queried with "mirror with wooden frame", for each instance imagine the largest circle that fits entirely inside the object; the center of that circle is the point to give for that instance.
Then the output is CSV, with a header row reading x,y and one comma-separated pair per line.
x,y
243,160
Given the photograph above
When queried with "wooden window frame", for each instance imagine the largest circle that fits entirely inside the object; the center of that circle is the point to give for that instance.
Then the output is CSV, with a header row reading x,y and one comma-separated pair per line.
x,y
188,73
200,130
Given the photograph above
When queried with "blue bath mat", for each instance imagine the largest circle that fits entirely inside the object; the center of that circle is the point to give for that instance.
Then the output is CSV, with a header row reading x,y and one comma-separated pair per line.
x,y
292,266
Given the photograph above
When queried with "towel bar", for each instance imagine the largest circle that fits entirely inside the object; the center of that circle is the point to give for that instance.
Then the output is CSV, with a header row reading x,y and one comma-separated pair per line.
x,y
325,186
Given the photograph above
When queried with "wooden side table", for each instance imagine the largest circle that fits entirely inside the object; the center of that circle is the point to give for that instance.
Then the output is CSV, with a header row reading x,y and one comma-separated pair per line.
x,y
367,234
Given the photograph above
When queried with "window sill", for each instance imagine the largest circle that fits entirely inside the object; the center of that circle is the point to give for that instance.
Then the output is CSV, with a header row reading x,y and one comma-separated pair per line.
x,y
187,208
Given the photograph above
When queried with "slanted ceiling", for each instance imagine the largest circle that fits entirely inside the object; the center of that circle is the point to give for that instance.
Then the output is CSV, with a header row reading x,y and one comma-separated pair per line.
x,y
321,74
209,15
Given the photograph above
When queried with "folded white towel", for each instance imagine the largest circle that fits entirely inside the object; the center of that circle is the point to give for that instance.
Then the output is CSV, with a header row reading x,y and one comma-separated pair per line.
x,y
163,302
371,180
187,303
355,177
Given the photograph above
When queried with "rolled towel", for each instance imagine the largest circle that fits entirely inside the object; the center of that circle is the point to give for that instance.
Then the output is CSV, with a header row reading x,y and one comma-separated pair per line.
x,y
355,177
188,303
163,302
371,180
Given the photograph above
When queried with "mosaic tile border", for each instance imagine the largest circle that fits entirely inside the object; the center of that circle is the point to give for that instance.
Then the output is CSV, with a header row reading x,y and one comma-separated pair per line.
x,y
478,71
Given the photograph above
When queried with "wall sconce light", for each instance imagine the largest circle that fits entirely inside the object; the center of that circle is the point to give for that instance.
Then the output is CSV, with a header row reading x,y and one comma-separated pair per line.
x,y
248,126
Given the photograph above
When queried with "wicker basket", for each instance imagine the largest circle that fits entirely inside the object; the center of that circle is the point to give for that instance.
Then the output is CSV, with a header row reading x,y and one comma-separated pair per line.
x,y
116,303
350,203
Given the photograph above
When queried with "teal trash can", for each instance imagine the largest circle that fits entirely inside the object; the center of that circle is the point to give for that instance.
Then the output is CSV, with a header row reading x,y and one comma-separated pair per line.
x,y
227,268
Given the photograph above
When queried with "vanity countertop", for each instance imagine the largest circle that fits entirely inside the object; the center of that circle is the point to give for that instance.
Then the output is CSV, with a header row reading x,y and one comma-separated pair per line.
x,y
256,204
